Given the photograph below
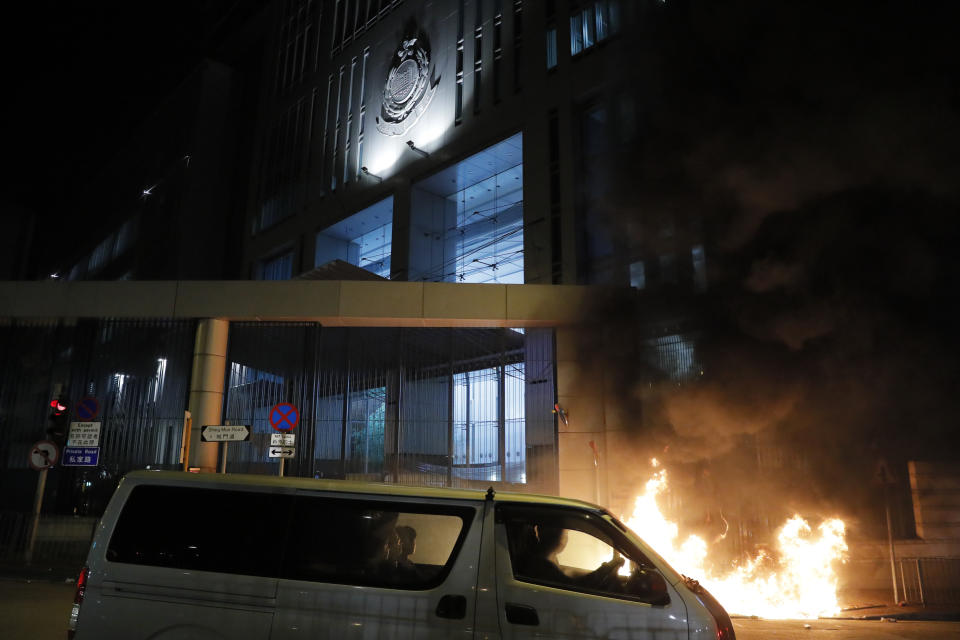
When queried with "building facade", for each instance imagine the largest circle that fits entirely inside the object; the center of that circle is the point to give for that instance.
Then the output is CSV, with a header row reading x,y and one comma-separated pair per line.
x,y
456,153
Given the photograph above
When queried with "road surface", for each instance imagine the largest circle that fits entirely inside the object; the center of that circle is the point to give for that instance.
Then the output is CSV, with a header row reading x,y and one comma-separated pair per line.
x,y
39,610
748,629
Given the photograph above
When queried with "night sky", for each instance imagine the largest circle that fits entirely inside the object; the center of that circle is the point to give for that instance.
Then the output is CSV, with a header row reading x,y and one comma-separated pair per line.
x,y
80,78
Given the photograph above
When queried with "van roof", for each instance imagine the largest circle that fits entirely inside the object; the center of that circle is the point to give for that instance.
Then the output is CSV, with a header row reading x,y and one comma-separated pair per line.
x,y
213,480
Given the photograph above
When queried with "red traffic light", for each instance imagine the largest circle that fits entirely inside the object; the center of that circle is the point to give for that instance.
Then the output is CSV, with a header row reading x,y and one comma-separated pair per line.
x,y
57,406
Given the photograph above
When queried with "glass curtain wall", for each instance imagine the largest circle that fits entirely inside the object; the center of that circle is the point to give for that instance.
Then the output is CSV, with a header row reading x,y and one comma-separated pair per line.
x,y
363,239
467,220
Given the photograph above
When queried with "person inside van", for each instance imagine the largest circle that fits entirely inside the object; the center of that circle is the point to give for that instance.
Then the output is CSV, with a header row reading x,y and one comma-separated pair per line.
x,y
541,563
407,546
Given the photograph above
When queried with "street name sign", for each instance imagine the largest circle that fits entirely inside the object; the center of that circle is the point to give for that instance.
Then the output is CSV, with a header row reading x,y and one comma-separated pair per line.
x,y
84,434
81,456
225,432
282,452
282,439
43,455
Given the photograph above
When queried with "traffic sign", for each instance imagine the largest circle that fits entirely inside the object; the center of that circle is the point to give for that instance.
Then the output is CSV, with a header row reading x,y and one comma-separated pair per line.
x,y
43,455
225,433
80,456
284,417
84,434
282,452
282,439
88,409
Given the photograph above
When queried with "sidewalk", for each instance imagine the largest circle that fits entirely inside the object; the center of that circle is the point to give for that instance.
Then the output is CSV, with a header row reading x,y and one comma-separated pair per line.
x,y
878,605
39,572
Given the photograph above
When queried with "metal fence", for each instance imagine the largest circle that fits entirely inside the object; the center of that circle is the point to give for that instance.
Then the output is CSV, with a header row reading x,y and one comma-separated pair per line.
x,y
59,539
422,406
929,581
137,370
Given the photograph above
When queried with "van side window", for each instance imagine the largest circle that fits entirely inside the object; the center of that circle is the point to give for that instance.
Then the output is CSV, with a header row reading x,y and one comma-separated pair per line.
x,y
577,550
395,545
201,529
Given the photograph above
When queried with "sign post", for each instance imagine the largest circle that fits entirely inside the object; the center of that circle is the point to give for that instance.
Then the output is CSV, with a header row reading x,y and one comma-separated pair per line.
x,y
283,418
43,455
884,478
225,433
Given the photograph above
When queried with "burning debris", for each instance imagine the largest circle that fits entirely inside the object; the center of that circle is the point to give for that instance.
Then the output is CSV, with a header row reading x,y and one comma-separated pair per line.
x,y
798,580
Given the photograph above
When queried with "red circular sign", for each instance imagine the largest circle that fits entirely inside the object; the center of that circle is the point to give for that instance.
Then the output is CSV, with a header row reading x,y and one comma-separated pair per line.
x,y
88,409
43,455
284,417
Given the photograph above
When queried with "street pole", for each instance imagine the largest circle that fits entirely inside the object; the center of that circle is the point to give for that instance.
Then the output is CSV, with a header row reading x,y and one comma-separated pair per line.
x,y
282,460
37,504
893,567
223,462
185,439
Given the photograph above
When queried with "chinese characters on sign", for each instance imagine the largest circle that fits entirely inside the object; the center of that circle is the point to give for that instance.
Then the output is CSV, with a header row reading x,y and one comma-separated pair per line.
x,y
81,456
84,434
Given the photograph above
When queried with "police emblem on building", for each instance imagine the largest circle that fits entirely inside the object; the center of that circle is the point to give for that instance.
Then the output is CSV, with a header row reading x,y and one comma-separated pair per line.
x,y
409,88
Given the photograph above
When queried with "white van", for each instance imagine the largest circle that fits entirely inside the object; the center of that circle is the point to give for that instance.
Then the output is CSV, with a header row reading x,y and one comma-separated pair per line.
x,y
233,557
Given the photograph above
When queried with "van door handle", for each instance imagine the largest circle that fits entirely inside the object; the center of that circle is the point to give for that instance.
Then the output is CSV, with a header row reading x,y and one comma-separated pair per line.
x,y
522,614
453,607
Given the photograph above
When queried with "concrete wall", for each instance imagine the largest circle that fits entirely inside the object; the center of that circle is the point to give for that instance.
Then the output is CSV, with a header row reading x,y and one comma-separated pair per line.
x,y
936,499
333,303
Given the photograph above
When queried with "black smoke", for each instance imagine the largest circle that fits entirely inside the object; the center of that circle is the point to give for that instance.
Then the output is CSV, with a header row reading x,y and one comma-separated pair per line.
x,y
813,146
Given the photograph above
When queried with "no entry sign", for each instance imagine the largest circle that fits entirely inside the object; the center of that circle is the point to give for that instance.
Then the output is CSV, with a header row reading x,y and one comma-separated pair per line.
x,y
284,417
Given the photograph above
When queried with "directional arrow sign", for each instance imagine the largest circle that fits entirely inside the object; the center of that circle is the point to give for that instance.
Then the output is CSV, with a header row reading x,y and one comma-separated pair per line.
x,y
282,452
225,432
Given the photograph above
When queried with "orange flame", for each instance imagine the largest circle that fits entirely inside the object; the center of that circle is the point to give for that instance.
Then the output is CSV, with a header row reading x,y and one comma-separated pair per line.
x,y
798,583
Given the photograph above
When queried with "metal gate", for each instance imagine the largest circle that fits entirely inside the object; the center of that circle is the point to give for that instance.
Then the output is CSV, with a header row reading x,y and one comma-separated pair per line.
x,y
423,406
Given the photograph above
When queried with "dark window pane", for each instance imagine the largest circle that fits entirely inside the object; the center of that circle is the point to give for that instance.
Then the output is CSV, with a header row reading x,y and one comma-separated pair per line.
x,y
201,529
386,544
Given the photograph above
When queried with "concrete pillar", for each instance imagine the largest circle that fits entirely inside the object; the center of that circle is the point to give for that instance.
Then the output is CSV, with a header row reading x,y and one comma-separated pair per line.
x,y
580,395
206,388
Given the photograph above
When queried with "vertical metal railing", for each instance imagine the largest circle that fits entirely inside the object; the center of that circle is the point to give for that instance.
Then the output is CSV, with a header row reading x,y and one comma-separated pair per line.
x,y
137,370
929,581
423,406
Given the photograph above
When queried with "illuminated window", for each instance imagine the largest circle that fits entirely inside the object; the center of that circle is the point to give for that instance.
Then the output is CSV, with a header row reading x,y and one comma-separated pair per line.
x,y
638,275
699,259
593,23
479,415
576,33
551,47
364,239
467,220
673,356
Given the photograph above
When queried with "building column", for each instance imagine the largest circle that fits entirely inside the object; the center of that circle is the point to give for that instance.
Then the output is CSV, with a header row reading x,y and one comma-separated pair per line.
x,y
206,388
580,396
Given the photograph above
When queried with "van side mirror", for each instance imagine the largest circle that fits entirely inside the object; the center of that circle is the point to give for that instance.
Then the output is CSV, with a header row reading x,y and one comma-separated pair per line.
x,y
648,585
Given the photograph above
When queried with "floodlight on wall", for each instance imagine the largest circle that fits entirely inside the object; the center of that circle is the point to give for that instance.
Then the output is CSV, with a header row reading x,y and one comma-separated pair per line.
x,y
366,172
414,147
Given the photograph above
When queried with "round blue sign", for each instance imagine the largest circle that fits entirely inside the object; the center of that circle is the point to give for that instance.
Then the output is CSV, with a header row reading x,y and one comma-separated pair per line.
x,y
284,417
88,409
